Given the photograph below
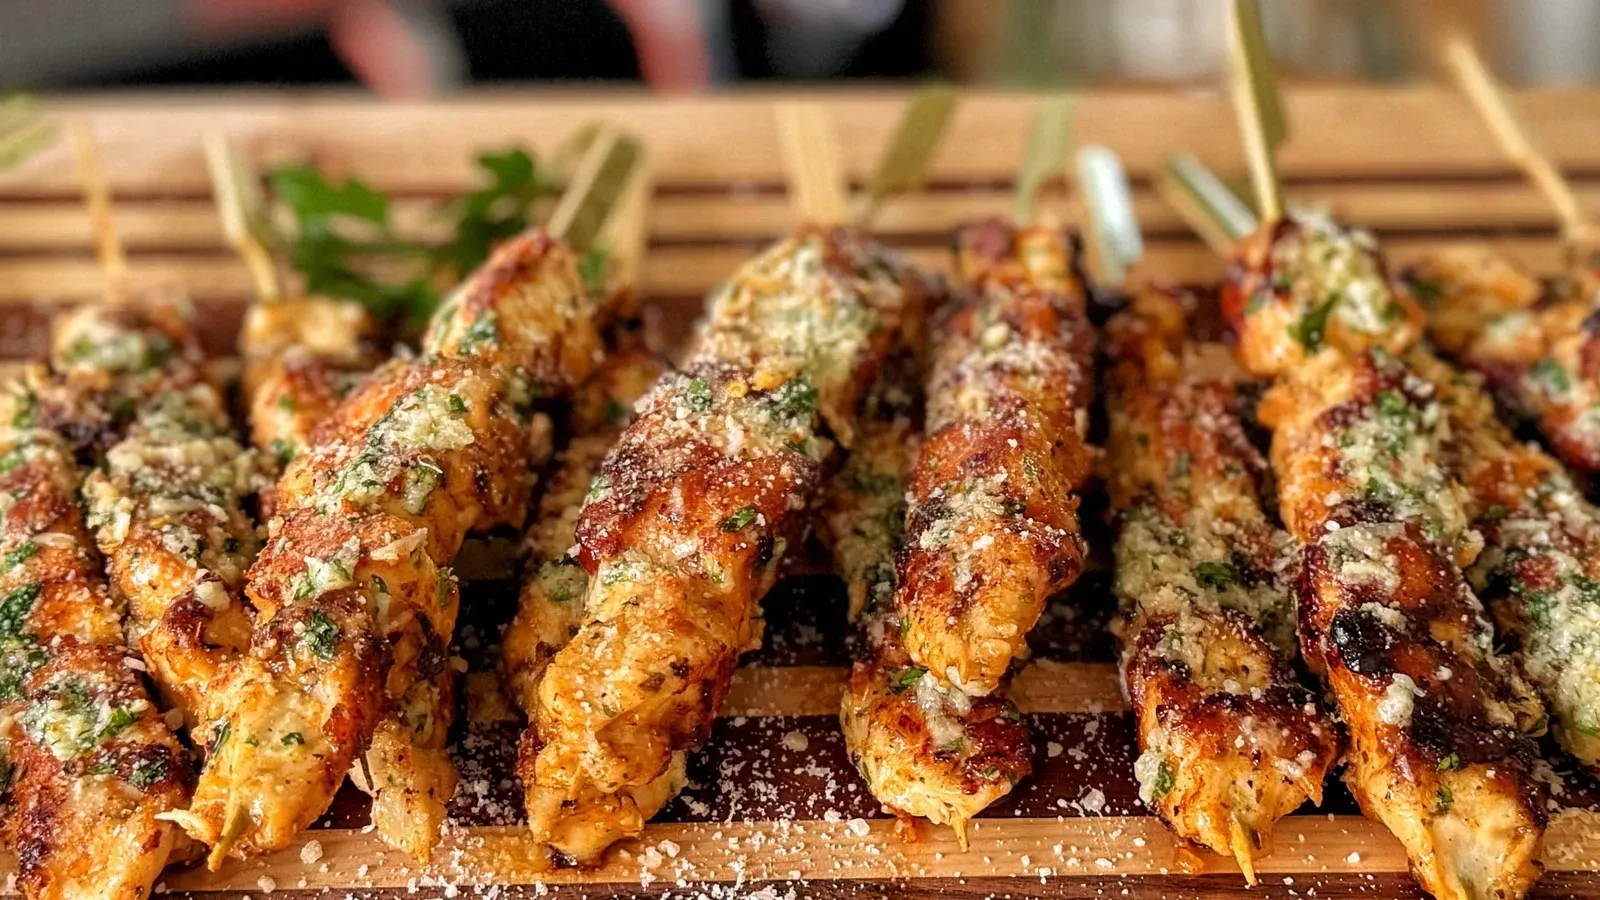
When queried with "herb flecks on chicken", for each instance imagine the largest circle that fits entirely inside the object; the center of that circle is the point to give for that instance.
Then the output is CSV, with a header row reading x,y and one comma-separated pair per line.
x,y
1230,740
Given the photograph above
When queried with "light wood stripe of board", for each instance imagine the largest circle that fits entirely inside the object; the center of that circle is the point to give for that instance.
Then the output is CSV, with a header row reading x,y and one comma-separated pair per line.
x,y
1045,686
676,271
856,849
152,142
191,224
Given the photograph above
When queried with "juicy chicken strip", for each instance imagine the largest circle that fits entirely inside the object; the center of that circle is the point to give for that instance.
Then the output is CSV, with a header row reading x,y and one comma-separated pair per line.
x,y
1230,741
1540,354
925,752
992,528
687,520
355,599
1540,566
165,504
89,763
301,357
550,606
1439,723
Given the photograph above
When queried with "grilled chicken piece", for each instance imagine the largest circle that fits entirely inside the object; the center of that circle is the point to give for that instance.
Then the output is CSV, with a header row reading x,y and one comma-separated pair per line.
x,y
1540,354
684,526
924,749
301,357
1230,740
550,608
1439,723
355,599
89,762
1540,567
1309,284
992,528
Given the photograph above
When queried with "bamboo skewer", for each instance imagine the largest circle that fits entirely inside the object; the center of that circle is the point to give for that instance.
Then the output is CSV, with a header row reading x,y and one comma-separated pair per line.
x,y
1466,67
1255,101
108,248
1205,202
237,194
817,189
1109,225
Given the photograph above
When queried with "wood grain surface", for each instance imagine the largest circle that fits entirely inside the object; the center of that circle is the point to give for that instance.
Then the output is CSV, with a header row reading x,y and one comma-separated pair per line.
x,y
774,809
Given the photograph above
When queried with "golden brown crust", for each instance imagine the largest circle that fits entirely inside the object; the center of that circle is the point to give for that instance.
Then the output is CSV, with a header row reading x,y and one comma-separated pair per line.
x,y
1231,742
354,595
1438,722
89,762
992,529
550,607
1540,354
686,522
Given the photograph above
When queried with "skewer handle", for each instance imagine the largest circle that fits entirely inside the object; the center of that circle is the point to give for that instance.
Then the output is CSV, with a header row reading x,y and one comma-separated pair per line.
x,y
1202,200
97,197
911,148
817,189
1253,87
1467,68
597,188
238,198
1046,154
1111,227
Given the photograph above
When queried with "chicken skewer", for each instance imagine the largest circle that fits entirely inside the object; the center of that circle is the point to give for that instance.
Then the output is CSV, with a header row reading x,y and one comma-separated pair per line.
x,y
354,595
1488,314
550,604
89,762
684,525
166,508
1230,741
1540,532
924,748
1439,723
301,355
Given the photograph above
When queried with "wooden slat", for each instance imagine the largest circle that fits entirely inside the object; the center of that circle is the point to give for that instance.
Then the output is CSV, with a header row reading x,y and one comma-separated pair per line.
x,y
155,139
853,849
190,225
673,271
1043,687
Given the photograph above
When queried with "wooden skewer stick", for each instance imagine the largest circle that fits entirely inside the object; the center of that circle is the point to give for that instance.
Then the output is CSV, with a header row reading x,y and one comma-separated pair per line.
x,y
597,189
1045,155
1203,201
906,158
97,197
1110,225
1253,87
817,190
625,232
1461,60
237,194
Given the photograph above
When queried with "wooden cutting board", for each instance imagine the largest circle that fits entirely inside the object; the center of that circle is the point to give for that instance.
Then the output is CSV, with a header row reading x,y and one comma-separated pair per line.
x,y
774,809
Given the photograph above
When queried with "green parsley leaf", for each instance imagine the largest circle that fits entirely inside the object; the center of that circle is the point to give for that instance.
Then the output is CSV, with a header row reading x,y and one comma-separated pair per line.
x,y
739,520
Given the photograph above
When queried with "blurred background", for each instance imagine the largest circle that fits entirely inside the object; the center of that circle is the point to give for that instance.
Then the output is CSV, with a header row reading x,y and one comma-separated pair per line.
x,y
418,48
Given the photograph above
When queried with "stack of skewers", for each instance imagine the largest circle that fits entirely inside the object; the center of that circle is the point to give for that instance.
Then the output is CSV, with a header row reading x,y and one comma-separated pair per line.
x,y
937,438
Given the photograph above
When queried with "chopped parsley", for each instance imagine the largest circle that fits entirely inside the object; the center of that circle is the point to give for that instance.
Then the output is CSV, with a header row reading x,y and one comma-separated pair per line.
x,y
1218,576
739,520
1312,328
796,397
697,395
1550,376
1166,780
147,772
1453,761
293,739
905,679
16,606
13,558
322,636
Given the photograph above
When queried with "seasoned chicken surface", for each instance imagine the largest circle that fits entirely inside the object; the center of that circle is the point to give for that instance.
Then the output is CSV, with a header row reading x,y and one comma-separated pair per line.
x,y
924,750
301,357
1230,740
687,519
1439,723
550,607
354,595
992,527
1540,354
1540,566
89,761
